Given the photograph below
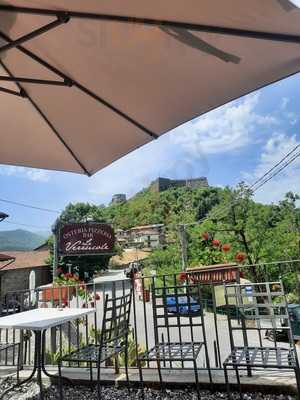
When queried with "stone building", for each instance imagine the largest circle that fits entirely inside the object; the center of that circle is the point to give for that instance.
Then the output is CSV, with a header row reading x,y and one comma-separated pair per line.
x,y
118,198
147,236
14,274
144,236
161,184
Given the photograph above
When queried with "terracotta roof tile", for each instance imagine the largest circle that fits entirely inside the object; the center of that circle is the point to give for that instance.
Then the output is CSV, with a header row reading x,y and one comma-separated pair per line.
x,y
5,257
25,259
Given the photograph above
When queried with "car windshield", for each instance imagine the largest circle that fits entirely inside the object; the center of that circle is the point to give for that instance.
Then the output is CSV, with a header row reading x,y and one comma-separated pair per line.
x,y
297,313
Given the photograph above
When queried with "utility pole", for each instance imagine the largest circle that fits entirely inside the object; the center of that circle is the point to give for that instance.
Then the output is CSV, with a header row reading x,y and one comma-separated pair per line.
x,y
55,230
183,242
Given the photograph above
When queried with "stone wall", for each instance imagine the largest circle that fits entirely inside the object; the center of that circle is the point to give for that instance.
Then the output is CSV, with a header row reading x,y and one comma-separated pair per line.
x,y
161,184
18,279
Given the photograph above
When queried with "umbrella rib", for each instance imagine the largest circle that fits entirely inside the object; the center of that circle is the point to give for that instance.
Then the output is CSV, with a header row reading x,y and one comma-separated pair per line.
x,y
37,32
45,118
69,82
35,81
13,92
262,35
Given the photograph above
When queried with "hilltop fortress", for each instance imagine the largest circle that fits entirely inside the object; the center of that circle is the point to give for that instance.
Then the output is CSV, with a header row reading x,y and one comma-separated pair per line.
x,y
161,184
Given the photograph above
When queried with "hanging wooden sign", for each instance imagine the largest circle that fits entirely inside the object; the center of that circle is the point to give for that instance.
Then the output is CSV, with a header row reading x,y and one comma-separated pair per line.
x,y
88,238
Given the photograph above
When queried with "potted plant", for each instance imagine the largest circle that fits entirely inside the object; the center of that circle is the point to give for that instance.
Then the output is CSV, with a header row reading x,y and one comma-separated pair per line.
x,y
64,286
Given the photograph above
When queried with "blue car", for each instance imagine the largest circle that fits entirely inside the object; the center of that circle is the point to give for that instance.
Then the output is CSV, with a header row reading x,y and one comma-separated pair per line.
x,y
186,306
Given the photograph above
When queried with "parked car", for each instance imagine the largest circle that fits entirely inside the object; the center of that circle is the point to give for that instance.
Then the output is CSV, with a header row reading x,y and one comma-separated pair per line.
x,y
281,334
12,304
182,305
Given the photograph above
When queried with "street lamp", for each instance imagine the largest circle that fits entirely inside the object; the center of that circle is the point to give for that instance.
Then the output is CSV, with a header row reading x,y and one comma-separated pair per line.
x,y
3,216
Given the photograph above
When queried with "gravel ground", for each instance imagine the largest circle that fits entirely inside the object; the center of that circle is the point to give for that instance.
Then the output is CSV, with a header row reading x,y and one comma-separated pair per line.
x,y
30,392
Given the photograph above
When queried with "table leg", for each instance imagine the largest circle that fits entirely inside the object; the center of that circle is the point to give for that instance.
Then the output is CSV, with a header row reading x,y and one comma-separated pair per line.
x,y
39,360
51,376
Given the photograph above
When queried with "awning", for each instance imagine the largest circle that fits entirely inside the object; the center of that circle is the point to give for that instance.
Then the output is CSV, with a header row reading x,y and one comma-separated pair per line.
x,y
83,83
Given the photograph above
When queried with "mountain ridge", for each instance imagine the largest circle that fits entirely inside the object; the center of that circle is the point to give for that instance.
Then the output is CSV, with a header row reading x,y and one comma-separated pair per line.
x,y
19,240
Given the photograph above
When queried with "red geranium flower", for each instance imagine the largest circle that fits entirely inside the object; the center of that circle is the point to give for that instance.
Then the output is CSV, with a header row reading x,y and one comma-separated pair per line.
x,y
240,257
59,271
97,296
205,235
216,242
182,276
226,247
68,275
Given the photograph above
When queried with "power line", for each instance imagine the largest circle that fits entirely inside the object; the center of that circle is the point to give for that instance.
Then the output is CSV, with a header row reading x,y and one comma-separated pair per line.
x,y
266,177
285,165
26,225
30,206
275,166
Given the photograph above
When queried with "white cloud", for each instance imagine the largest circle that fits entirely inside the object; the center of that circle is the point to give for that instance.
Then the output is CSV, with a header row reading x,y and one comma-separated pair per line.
x,y
228,128
277,147
284,103
135,171
32,174
295,2
292,118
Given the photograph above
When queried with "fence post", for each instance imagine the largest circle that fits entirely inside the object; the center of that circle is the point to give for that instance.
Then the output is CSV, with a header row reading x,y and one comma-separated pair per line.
x,y
183,241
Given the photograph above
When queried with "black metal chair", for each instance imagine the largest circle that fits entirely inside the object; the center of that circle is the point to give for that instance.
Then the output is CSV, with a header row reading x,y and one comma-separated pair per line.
x,y
177,311
113,340
6,347
265,305
16,349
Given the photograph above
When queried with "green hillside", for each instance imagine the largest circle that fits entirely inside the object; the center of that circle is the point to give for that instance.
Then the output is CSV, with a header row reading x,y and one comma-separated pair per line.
x,y
173,206
19,239
252,233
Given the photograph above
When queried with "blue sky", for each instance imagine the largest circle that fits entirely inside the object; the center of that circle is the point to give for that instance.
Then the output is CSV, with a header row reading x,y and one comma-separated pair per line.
x,y
239,141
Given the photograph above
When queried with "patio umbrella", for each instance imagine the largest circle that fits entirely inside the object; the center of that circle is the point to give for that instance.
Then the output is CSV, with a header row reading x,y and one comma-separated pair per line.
x,y
83,83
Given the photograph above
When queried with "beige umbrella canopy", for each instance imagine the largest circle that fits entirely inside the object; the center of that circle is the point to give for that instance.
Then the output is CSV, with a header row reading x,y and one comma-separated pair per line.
x,y
83,83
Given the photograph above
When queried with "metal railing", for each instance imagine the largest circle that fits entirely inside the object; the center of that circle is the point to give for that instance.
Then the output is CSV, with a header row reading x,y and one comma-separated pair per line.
x,y
73,335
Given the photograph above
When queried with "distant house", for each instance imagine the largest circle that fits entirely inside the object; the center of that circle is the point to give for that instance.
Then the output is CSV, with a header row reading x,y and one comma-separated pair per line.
x,y
43,247
14,274
118,198
121,237
149,236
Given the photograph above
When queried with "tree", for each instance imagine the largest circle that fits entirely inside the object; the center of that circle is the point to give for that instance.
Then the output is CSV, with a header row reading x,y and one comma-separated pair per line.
x,y
265,233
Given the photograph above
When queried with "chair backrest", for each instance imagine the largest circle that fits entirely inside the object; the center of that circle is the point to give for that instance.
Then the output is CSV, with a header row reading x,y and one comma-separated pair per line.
x,y
115,323
257,307
177,311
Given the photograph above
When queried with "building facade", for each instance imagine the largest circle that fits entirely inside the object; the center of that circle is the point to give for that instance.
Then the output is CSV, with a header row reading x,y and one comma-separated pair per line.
x,y
118,198
145,236
161,184
15,275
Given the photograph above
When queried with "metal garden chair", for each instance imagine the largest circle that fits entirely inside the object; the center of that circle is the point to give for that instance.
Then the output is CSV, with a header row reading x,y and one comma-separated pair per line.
x,y
265,305
7,347
113,340
178,316
16,349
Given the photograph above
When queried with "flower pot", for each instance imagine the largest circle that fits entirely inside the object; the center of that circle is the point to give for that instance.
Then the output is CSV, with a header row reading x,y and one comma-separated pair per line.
x,y
146,295
56,294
